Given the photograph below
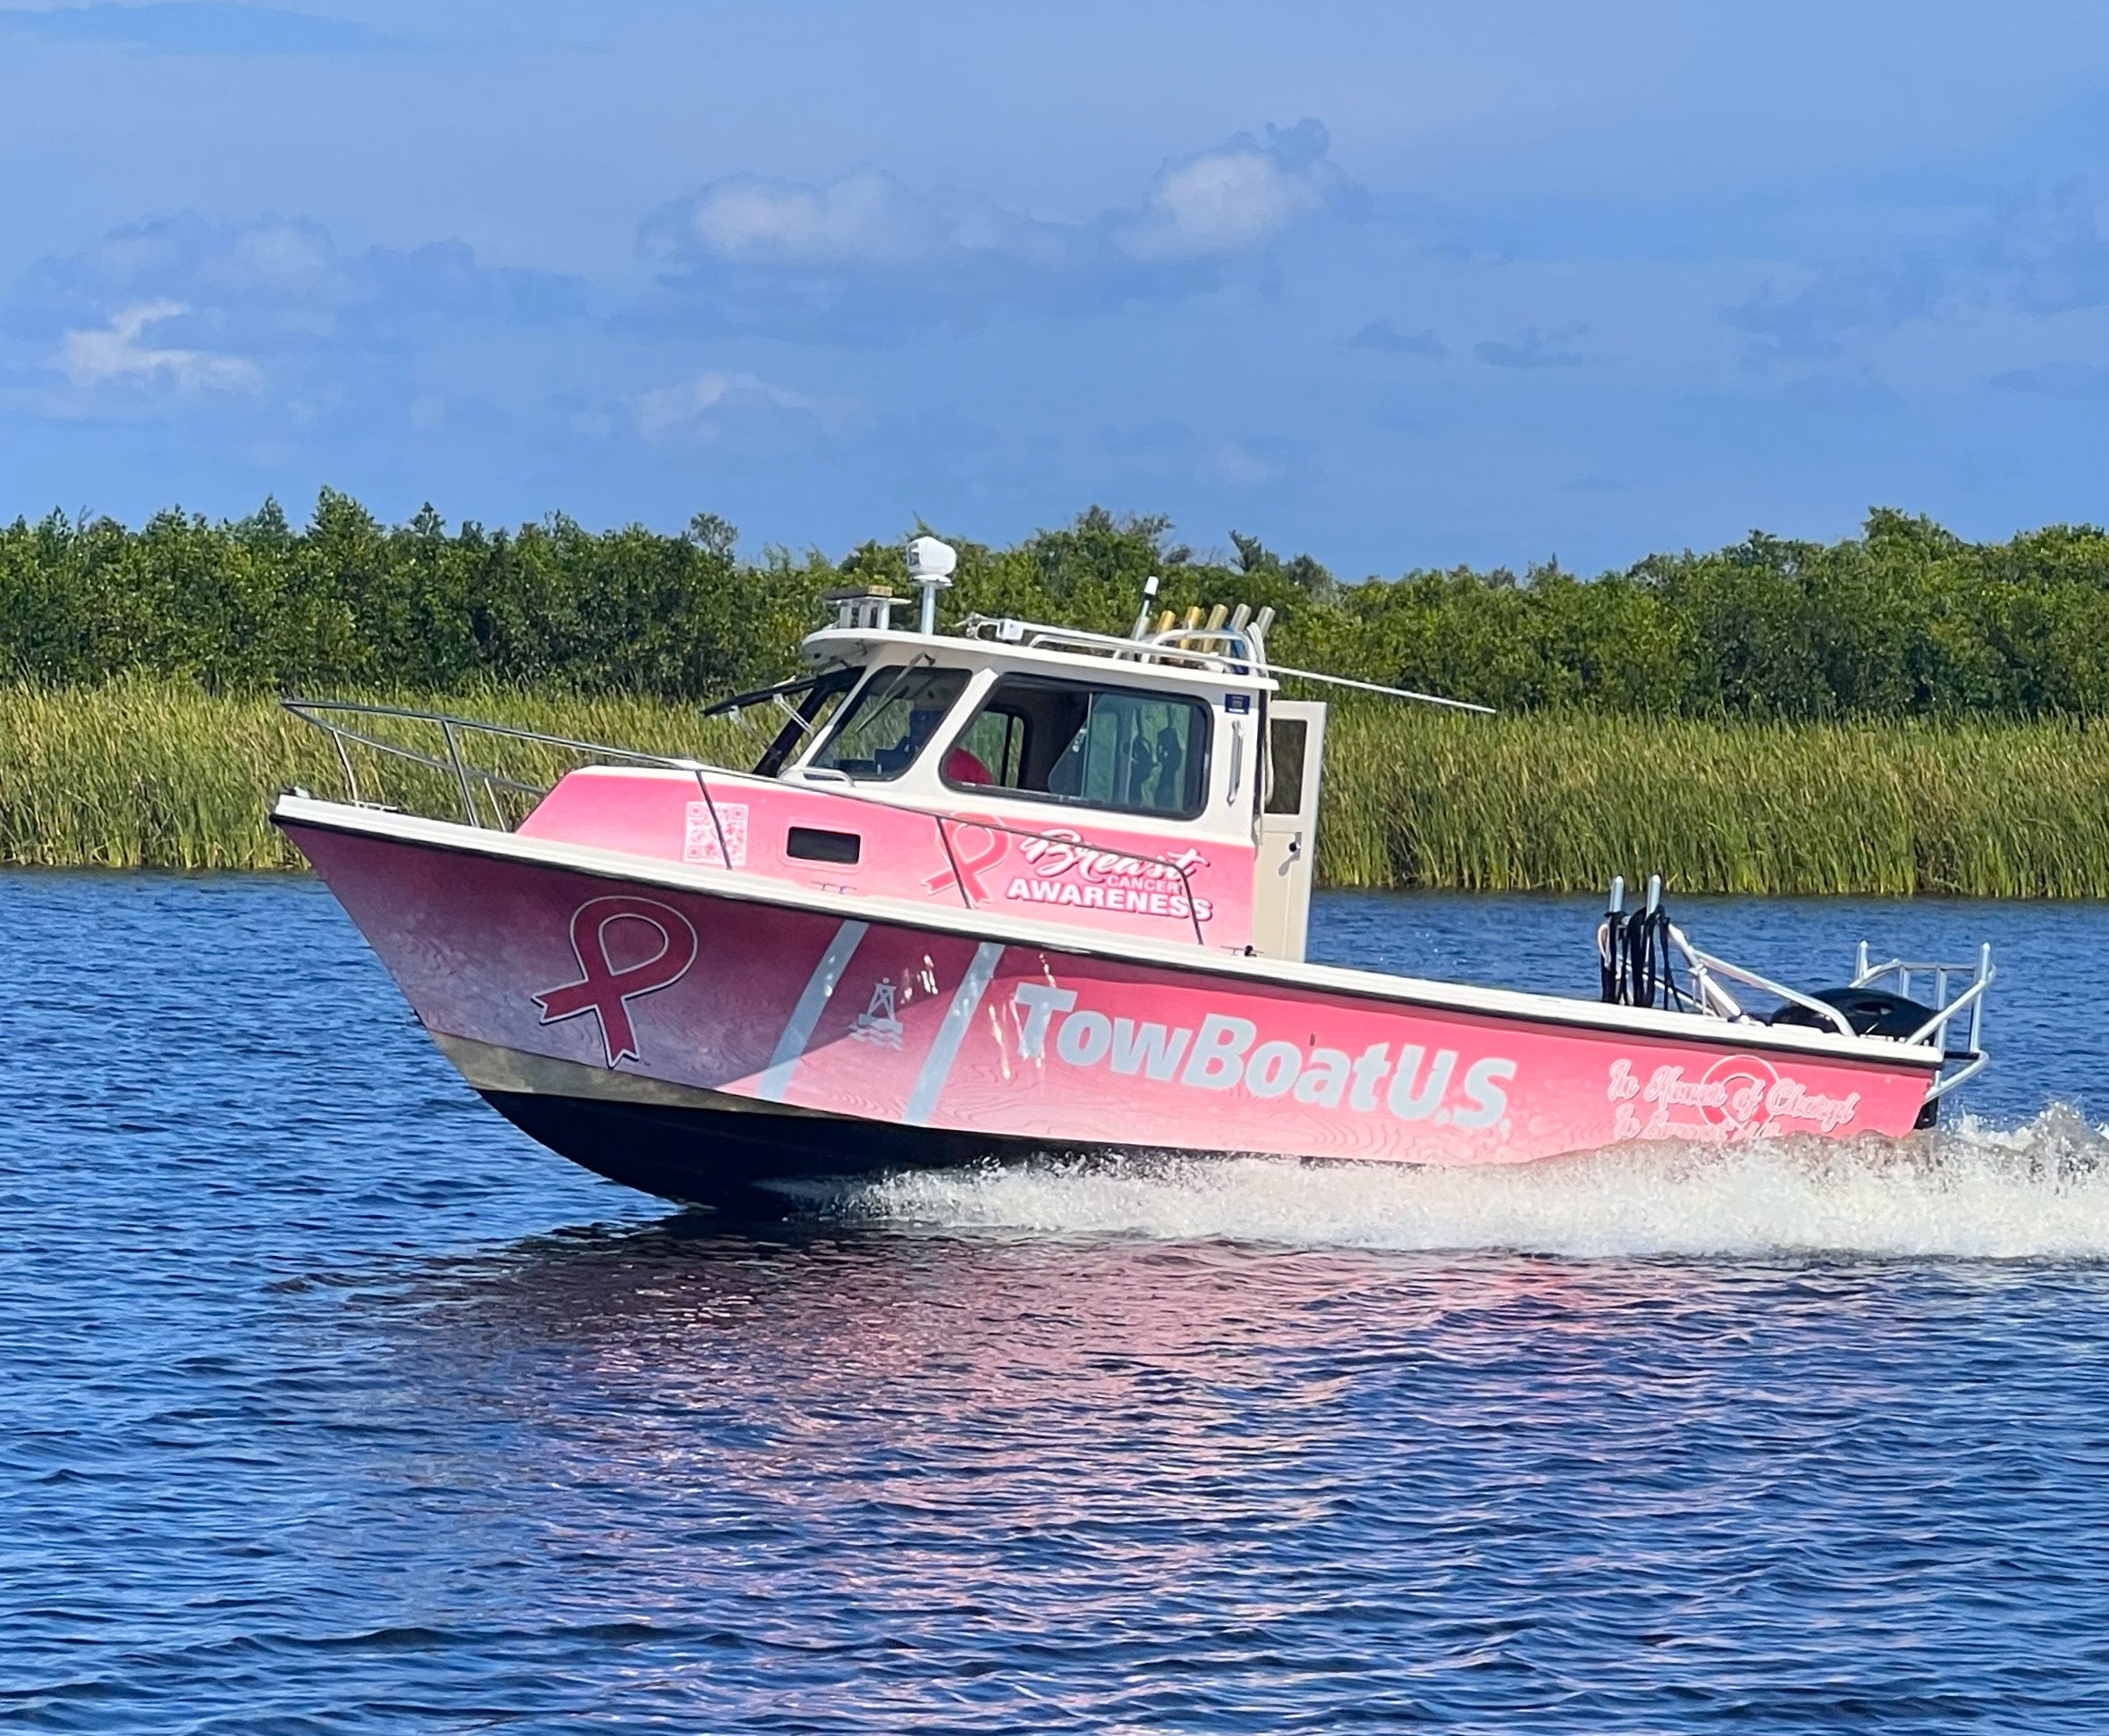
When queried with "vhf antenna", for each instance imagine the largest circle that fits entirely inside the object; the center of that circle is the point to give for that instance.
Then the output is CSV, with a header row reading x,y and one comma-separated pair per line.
x,y
1142,627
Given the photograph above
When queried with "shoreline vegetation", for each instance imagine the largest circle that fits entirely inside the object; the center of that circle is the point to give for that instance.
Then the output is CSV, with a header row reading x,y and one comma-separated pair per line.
x,y
158,773
1902,712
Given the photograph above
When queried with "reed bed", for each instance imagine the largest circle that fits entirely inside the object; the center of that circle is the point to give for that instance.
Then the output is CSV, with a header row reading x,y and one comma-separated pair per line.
x,y
159,774
1562,802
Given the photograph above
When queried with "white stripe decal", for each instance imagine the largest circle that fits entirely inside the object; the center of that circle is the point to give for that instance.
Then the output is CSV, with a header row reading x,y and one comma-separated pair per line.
x,y
776,1079
937,1065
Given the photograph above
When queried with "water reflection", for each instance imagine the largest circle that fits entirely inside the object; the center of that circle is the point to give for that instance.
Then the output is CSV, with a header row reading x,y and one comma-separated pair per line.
x,y
1041,1477
1060,1379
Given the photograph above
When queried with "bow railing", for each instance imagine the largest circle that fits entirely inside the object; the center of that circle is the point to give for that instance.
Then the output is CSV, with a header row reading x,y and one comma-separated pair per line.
x,y
467,778
477,790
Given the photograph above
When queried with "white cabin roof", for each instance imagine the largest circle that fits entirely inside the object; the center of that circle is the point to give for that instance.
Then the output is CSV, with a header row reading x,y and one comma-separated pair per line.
x,y
1096,658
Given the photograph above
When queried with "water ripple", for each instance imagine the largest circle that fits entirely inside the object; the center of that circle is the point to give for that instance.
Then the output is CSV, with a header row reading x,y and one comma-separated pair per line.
x,y
331,1405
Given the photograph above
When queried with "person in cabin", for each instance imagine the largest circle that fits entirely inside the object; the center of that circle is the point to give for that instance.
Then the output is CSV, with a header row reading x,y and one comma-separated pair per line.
x,y
1171,755
961,766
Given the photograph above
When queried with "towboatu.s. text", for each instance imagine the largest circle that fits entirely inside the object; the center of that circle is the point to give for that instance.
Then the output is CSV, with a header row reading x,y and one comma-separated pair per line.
x,y
1021,889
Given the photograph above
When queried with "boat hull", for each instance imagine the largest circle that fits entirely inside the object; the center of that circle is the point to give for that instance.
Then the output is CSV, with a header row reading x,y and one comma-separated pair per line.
x,y
720,1157
697,1035
705,1147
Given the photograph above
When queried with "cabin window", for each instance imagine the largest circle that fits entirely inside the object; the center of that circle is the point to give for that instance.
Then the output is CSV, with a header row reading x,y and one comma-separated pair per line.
x,y
879,732
994,746
815,700
1097,746
1288,739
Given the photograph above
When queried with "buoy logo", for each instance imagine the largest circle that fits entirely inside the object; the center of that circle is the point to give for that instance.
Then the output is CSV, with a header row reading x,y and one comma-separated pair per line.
x,y
1733,1092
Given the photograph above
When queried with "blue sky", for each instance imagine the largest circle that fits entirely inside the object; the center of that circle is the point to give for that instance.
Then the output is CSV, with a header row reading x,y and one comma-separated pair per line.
x,y
1398,284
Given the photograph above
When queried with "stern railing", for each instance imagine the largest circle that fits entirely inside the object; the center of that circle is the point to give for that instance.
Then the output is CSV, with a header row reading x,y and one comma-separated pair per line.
x,y
1637,954
1969,1058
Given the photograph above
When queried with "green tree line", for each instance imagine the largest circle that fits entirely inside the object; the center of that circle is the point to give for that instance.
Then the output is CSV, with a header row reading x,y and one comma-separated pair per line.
x,y
1905,620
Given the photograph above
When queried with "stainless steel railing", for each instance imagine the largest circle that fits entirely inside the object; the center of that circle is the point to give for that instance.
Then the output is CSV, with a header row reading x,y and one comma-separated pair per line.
x,y
1959,991
468,780
1969,1058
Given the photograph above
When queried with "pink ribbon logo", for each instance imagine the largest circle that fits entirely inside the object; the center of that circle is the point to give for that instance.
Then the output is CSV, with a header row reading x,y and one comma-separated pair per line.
x,y
606,991
994,846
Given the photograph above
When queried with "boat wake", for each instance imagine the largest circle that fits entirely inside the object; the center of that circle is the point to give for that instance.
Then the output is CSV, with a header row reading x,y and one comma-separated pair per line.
x,y
2038,1190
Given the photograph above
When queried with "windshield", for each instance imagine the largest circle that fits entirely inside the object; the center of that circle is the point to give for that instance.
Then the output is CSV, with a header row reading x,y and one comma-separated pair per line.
x,y
879,732
807,705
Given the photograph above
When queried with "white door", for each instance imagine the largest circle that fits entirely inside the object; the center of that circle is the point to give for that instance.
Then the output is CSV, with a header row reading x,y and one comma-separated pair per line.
x,y
1288,827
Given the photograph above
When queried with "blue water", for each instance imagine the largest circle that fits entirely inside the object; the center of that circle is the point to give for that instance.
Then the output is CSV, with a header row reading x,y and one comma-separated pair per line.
x,y
329,1403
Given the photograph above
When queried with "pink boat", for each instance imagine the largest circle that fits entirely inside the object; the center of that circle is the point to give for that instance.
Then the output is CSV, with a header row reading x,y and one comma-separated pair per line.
x,y
1019,888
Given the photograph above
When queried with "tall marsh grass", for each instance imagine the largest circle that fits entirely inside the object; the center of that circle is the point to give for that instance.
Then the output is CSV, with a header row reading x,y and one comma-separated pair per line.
x,y
152,773
1562,802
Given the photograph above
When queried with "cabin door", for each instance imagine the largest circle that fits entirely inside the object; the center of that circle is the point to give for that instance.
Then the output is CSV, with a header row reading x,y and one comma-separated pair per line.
x,y
1288,827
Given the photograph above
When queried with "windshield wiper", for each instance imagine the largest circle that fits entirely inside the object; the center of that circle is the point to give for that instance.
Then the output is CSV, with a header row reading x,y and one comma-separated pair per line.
x,y
739,702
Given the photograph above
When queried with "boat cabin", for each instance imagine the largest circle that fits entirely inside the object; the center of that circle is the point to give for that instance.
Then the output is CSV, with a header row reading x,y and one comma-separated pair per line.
x,y
1154,784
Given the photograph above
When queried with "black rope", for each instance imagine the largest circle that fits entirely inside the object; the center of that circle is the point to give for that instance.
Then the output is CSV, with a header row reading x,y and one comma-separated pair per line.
x,y
1608,937
1636,961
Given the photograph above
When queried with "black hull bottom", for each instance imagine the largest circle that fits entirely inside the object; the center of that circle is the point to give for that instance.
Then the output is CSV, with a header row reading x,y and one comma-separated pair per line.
x,y
725,1156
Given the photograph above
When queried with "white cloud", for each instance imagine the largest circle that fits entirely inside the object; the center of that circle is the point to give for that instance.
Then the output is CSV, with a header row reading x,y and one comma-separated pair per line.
x,y
1218,204
2037,253
867,254
1242,465
116,351
699,407
864,216
269,320
289,260
864,221
282,283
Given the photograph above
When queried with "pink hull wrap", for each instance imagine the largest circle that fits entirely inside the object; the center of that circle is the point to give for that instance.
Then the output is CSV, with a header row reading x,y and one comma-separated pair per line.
x,y
890,1021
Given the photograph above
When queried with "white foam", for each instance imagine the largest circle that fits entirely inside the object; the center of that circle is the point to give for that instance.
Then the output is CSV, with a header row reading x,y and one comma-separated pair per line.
x,y
2038,1190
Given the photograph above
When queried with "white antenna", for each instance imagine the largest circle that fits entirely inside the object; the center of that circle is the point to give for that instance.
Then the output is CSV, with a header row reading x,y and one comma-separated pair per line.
x,y
1142,626
1372,686
929,566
